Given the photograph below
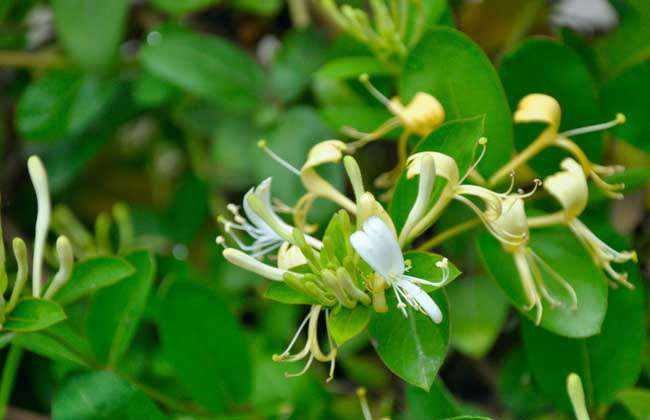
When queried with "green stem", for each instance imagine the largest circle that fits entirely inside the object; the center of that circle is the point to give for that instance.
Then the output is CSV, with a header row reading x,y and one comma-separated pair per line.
x,y
449,233
8,377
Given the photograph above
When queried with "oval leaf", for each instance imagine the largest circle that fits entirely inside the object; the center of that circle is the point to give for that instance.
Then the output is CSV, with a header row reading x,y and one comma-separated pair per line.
x,y
466,86
206,66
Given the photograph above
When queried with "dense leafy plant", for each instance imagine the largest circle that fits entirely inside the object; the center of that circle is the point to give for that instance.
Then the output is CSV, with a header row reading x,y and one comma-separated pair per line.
x,y
406,177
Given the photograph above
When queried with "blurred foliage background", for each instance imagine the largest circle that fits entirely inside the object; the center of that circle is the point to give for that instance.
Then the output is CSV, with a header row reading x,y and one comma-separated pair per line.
x,y
159,104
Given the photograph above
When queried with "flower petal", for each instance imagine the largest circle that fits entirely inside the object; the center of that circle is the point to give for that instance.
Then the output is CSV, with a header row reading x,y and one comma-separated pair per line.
x,y
423,299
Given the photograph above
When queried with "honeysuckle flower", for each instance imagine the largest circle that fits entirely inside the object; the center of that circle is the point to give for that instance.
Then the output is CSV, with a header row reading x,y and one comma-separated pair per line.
x,y
249,263
312,349
65,256
420,116
38,176
577,396
377,245
266,228
569,187
421,218
513,219
539,108
328,151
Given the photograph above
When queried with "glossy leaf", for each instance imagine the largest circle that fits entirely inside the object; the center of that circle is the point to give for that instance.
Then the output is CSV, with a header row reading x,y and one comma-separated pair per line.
x,y
91,30
478,310
345,324
621,94
466,86
31,314
567,79
566,255
62,104
412,347
607,362
102,396
47,346
205,344
115,311
91,275
206,66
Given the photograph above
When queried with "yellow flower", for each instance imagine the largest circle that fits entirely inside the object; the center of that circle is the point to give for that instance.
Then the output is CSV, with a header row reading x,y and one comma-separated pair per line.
x,y
569,187
540,108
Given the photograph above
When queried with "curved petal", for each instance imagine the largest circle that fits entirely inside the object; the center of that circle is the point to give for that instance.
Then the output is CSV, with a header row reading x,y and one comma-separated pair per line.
x,y
426,303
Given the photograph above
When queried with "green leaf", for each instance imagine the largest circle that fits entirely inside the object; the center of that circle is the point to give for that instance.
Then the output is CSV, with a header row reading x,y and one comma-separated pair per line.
x,y
280,292
47,346
352,68
61,104
621,94
607,362
301,53
345,324
90,30
412,347
180,7
31,314
567,79
566,255
115,311
516,388
478,310
91,275
636,401
102,396
467,86
205,344
206,66
457,139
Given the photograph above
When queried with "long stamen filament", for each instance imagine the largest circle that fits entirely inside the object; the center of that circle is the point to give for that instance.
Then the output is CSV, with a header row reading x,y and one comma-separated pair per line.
x,y
620,119
482,142
365,80
263,145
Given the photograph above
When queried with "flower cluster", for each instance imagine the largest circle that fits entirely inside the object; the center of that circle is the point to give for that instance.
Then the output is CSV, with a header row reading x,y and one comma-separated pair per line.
x,y
360,256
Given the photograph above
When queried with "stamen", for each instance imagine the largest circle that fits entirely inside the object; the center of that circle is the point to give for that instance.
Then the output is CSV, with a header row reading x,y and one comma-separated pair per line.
x,y
537,183
280,357
365,409
620,119
302,372
365,80
262,145
482,142
221,241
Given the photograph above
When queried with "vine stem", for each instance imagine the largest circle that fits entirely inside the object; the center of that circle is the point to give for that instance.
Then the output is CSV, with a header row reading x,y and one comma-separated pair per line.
x,y
27,59
528,153
8,377
449,233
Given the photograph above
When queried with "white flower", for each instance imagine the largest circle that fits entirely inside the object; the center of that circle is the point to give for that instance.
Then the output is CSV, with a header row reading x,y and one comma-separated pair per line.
x,y
378,247
262,224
